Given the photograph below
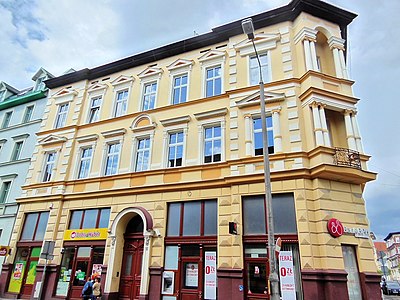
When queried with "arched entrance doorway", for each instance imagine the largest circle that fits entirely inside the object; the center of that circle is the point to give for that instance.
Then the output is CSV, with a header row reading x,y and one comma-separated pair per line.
x,y
130,235
132,260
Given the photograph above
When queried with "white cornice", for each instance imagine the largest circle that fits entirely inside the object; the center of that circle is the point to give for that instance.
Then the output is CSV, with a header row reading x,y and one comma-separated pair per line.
x,y
52,139
174,121
113,133
211,55
180,64
150,71
335,42
263,42
331,103
211,114
254,98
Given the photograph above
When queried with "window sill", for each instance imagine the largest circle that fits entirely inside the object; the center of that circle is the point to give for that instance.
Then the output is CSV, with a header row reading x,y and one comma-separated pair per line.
x,y
8,163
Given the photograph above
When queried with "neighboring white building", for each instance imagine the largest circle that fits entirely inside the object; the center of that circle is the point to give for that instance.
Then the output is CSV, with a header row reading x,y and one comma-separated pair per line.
x,y
20,118
393,249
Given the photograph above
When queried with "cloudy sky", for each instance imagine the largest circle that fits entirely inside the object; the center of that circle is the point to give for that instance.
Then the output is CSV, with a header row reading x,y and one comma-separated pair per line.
x,y
63,34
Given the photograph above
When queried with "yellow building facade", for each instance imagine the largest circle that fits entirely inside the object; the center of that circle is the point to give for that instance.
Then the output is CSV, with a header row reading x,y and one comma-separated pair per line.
x,y
142,163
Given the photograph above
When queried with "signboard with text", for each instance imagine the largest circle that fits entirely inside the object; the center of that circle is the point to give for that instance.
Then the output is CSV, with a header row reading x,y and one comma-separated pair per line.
x,y
85,234
286,274
210,275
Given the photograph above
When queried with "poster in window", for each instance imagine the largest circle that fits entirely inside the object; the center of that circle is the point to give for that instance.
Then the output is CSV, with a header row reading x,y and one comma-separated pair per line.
x,y
16,278
192,275
168,283
96,270
286,274
210,275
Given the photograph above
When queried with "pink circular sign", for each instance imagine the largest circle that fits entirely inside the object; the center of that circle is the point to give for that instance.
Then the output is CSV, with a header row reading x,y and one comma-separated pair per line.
x,y
335,227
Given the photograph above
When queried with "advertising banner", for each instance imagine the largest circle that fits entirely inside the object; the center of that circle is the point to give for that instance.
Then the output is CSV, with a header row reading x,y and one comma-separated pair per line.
x,y
210,275
286,274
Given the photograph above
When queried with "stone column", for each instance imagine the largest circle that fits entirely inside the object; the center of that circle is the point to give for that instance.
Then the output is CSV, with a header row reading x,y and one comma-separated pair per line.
x,y
324,126
247,135
343,64
319,138
307,52
144,283
351,142
336,60
276,131
356,131
314,56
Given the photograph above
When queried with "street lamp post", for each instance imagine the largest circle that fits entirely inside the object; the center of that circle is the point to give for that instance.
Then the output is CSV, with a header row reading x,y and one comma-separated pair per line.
x,y
248,29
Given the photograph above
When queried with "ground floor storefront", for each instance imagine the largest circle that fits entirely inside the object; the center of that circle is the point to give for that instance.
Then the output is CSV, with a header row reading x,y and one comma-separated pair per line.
x,y
171,247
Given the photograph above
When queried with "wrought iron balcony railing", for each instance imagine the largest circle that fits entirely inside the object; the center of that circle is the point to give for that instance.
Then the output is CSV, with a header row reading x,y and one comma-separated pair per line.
x,y
347,157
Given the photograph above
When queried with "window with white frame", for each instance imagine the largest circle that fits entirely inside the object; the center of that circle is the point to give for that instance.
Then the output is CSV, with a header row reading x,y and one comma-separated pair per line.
x,y
180,88
175,149
258,138
121,103
212,144
85,162
255,69
16,153
61,116
28,114
112,158
49,163
94,109
4,191
213,81
142,154
6,119
149,95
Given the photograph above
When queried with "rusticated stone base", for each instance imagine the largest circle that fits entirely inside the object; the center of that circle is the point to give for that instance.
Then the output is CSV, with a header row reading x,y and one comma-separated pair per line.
x,y
370,285
229,281
155,283
325,284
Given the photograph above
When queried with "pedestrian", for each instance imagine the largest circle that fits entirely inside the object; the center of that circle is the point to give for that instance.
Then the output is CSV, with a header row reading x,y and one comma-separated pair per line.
x,y
87,291
97,289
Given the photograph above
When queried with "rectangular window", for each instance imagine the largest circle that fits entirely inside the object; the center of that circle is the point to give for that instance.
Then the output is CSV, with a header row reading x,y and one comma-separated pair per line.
x,y
6,119
89,218
112,160
213,81
258,138
94,111
194,218
255,70
17,151
84,165
35,226
179,94
143,155
61,117
121,103
4,191
149,96
254,221
28,114
175,149
49,166
212,144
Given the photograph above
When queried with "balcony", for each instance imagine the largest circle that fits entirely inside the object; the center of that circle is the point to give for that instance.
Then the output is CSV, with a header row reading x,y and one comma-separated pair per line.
x,y
347,157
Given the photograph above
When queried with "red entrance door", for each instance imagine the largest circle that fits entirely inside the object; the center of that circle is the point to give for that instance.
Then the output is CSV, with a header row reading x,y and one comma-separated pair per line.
x,y
131,267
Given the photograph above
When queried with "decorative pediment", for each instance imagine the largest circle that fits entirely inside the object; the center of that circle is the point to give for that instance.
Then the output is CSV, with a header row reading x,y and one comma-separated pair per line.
x,y
52,139
123,79
6,87
113,133
175,121
211,114
254,99
263,41
42,73
97,87
212,54
142,123
65,92
180,63
150,71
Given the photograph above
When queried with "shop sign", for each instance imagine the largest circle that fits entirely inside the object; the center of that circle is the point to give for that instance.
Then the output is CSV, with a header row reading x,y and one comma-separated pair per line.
x,y
85,234
210,277
336,229
286,274
4,250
